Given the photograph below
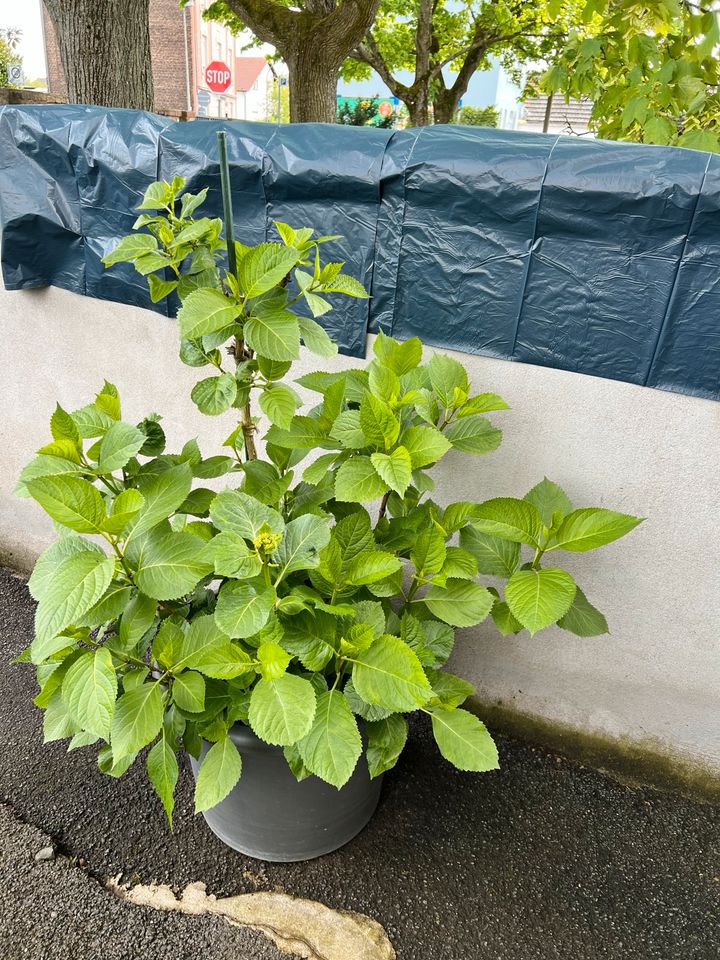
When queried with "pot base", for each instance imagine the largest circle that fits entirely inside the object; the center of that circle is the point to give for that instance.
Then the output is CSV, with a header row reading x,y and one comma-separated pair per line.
x,y
268,815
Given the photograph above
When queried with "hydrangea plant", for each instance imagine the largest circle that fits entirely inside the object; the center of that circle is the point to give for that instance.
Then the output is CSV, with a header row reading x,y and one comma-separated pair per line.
x,y
320,592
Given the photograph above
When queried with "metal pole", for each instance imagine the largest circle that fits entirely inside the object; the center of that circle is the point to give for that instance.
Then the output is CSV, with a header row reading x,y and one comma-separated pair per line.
x,y
188,95
279,105
227,201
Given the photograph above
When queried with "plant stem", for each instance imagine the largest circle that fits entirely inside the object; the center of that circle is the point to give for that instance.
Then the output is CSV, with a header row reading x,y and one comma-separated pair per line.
x,y
383,506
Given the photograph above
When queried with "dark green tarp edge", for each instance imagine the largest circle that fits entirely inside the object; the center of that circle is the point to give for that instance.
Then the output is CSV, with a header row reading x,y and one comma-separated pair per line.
x,y
584,255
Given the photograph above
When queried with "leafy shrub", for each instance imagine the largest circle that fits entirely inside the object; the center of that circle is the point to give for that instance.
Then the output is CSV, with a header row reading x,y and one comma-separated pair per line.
x,y
280,602
479,116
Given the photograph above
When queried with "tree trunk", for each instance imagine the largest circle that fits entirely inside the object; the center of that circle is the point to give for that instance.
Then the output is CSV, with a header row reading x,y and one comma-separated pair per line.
x,y
313,86
105,51
444,107
418,109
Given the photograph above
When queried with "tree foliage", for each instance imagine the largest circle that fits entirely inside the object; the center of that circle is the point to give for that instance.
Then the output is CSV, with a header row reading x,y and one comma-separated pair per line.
x,y
650,68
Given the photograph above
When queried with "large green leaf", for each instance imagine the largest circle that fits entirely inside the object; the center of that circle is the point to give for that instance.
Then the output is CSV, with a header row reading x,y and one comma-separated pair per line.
x,y
137,720
239,513
474,434
137,618
121,442
429,553
169,566
274,334
282,710
314,336
377,421
538,598
348,432
78,582
332,746
495,557
372,566
278,403
592,527
241,611
163,494
188,691
583,619
219,772
206,648
509,519
231,556
162,768
464,740
357,481
549,499
44,465
263,267
71,501
390,675
130,247
48,562
394,468
125,508
215,395
89,690
447,375
460,603
304,537
425,445
386,739
205,311
304,434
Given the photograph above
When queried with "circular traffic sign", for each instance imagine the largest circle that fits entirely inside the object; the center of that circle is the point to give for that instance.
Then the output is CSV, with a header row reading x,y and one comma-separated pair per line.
x,y
218,76
385,109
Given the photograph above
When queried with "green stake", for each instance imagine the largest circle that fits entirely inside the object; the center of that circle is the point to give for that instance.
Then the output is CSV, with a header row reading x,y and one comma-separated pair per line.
x,y
227,201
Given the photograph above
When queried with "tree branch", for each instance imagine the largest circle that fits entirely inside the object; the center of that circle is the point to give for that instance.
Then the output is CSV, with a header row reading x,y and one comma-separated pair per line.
x,y
268,20
368,52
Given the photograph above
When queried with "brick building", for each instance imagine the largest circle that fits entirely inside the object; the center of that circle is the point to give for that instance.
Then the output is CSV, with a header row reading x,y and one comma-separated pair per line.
x,y
182,45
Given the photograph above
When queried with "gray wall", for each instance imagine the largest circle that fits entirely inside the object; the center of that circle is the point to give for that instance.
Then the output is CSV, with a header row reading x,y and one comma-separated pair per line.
x,y
654,680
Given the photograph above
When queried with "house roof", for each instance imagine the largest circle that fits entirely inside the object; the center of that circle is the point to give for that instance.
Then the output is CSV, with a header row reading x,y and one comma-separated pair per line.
x,y
568,117
247,70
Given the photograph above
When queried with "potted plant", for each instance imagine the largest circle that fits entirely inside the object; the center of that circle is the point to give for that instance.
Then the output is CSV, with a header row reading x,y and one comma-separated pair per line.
x,y
280,631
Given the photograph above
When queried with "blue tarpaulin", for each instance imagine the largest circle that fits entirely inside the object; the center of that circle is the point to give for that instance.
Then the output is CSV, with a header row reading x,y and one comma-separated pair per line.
x,y
585,255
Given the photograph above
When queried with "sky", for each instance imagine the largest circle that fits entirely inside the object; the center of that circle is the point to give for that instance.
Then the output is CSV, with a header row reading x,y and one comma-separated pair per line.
x,y
25,15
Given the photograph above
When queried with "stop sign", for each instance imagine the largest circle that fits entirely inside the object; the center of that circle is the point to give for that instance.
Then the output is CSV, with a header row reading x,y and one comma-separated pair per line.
x,y
218,76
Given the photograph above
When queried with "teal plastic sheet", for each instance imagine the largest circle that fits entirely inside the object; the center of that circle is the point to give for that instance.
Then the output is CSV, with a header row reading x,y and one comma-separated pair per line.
x,y
595,257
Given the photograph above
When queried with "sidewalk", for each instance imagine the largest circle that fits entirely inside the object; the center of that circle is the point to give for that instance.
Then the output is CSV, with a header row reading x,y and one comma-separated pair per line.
x,y
543,860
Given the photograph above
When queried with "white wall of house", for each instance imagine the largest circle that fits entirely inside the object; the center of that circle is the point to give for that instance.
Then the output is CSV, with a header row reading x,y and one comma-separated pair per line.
x,y
654,680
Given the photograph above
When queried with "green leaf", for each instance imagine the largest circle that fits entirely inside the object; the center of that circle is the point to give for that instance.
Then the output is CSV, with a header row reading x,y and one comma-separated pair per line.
x,y
425,445
282,710
121,442
162,768
347,430
71,501
583,619
205,311
239,513
446,375
314,336
137,720
125,508
136,620
461,603
428,554
378,423
44,465
167,643
91,422
264,267
367,711
170,565
592,527
390,675
316,471
371,567
464,740
89,690
386,740
241,611
450,690
130,248
394,468
275,335
278,403
304,537
304,434
163,494
231,556
357,481
548,498
506,623
343,283
63,427
48,561
188,691
538,598
219,771
332,746
159,289
495,557
509,519
474,434
78,582
57,722
482,403
398,357
215,395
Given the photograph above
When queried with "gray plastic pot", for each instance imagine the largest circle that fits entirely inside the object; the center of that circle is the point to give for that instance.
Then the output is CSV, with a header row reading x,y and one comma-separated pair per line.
x,y
270,816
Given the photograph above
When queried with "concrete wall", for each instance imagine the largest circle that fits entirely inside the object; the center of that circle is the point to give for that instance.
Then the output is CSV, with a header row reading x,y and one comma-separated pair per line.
x,y
654,681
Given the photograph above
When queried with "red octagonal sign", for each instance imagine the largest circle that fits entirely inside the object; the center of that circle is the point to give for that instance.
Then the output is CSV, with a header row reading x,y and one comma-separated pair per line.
x,y
218,76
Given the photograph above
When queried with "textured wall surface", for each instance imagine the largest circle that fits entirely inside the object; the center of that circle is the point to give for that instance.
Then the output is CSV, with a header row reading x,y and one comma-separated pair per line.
x,y
653,679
